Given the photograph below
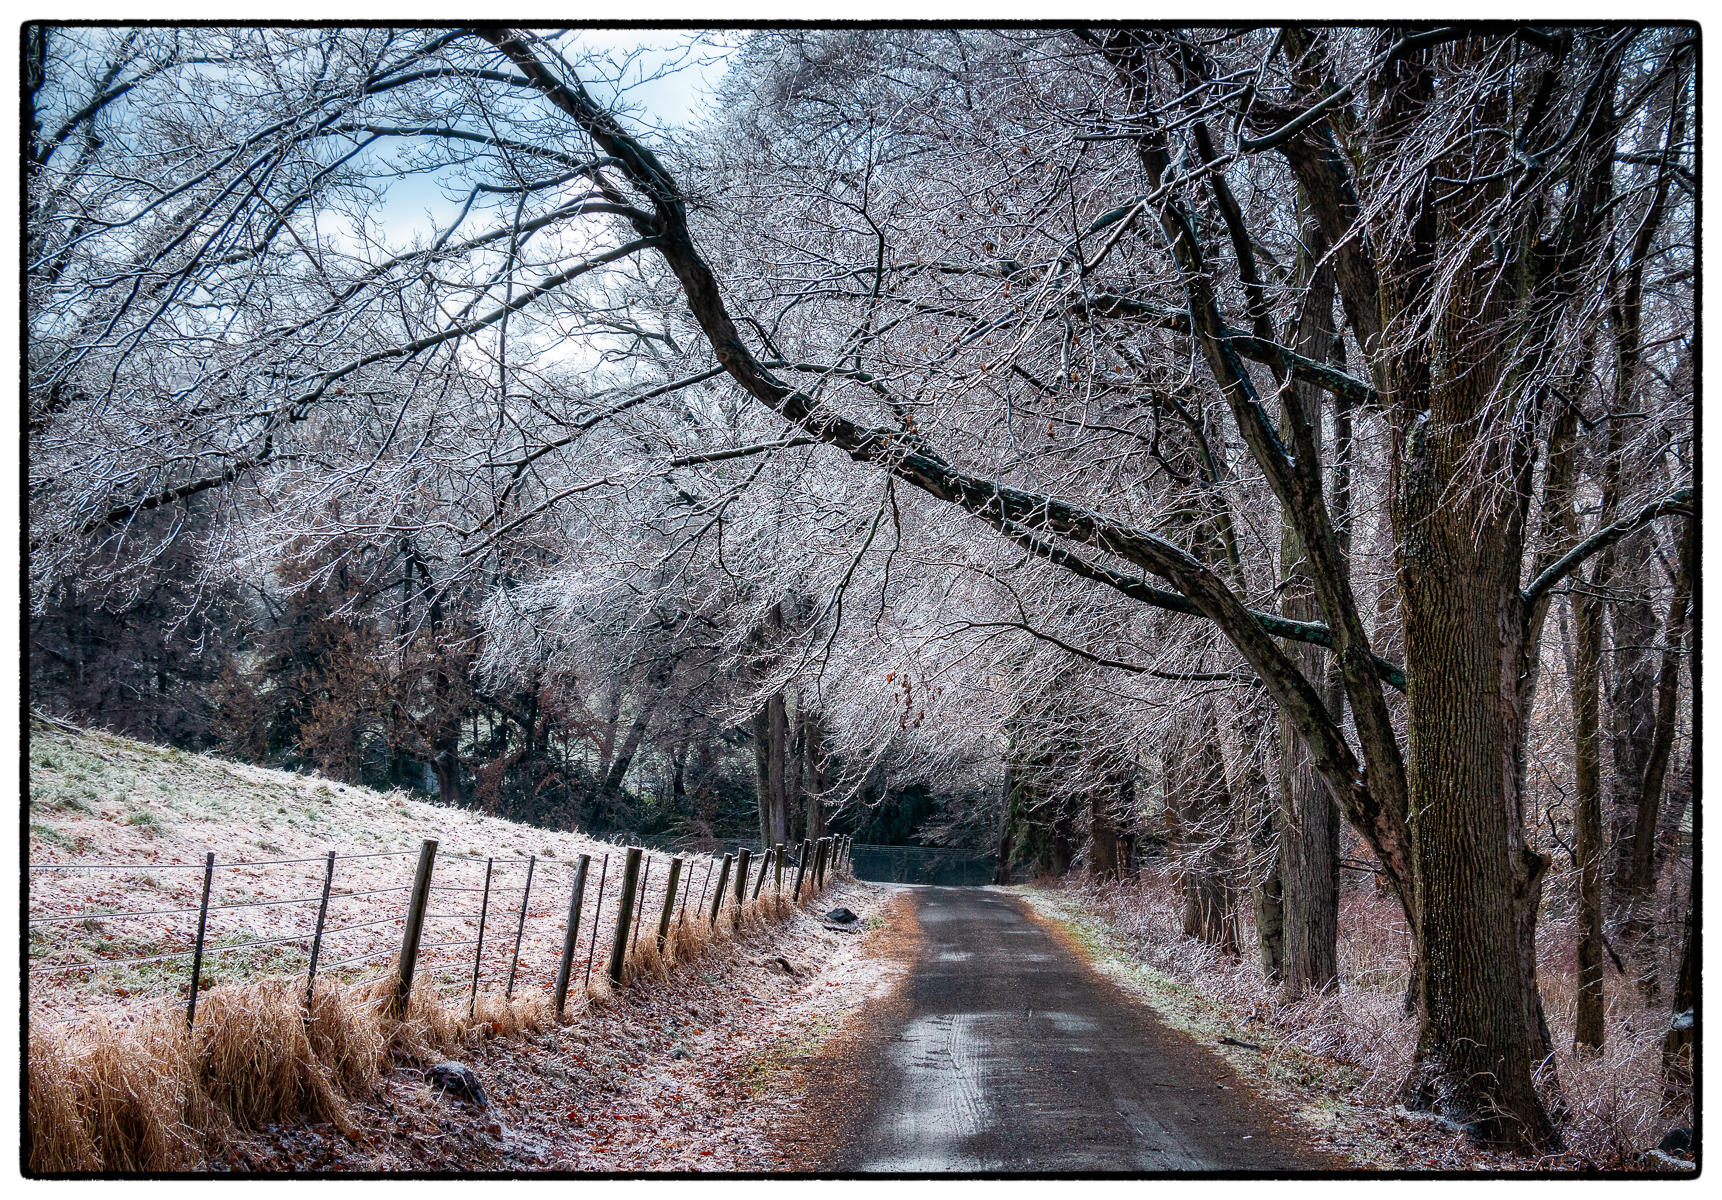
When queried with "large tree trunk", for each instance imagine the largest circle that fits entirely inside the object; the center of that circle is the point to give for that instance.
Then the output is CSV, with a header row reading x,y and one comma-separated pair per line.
x,y
762,770
770,750
1308,816
1631,707
706,801
1309,871
1105,805
1001,864
796,732
447,767
1309,819
607,739
1679,1044
1198,811
813,778
1260,843
1474,1052
1457,483
1638,932
1476,887
1587,817
1063,837
611,789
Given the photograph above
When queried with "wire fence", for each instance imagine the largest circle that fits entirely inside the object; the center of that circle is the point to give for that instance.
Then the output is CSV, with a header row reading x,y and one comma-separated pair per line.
x,y
457,924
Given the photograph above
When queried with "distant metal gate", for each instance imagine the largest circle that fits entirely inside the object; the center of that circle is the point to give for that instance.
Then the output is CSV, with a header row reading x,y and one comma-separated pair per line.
x,y
922,864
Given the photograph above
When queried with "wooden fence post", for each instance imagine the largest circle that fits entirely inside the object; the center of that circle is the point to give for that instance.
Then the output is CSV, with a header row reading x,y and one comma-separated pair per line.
x,y
317,937
819,853
572,935
723,881
801,869
777,864
764,869
743,863
520,930
630,880
197,954
416,902
478,951
669,902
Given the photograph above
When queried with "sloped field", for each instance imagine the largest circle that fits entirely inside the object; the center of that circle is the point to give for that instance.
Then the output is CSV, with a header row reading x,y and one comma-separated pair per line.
x,y
118,834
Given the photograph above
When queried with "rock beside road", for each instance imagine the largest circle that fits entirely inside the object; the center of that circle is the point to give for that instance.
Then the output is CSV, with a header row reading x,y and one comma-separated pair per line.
x,y
459,1080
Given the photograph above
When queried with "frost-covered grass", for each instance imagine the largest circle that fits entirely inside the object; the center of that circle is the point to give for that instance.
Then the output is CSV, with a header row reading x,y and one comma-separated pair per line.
x,y
98,798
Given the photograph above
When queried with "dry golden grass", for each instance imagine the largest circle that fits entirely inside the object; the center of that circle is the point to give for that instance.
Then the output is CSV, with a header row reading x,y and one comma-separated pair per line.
x,y
688,939
645,961
774,906
345,1026
132,1094
152,1096
57,1137
728,922
749,915
599,991
497,1016
430,1026
256,1059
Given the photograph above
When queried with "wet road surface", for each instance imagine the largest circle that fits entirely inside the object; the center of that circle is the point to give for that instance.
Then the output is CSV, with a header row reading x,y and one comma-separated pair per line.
x,y
1008,1053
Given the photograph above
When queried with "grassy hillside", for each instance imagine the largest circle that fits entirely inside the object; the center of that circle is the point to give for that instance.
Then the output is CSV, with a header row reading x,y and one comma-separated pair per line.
x,y
100,799
119,1082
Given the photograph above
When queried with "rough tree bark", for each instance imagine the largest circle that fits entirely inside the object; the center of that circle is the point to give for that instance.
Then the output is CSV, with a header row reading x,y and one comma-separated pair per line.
x,y
1679,1045
1309,819
770,742
1199,828
1001,864
1105,803
813,776
1638,931
1587,816
1260,827
1633,626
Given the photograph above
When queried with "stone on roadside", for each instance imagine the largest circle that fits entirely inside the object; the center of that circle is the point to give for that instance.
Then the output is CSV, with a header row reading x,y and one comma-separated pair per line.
x,y
459,1080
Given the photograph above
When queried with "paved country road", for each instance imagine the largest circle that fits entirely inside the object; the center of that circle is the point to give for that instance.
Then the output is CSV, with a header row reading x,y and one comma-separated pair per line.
x,y
1008,1053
